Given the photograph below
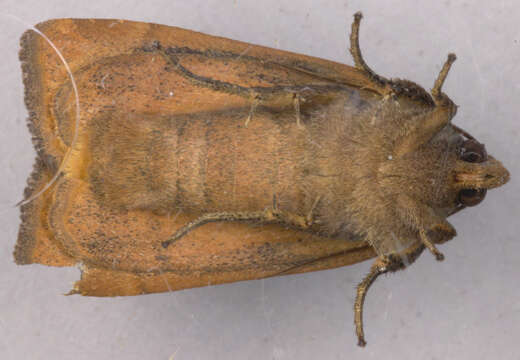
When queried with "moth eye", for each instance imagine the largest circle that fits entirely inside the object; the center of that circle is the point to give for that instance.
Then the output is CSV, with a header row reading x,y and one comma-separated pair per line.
x,y
474,152
471,197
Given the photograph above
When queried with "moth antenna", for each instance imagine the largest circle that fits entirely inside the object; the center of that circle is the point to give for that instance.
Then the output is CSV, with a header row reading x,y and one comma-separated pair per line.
x,y
437,86
76,124
355,50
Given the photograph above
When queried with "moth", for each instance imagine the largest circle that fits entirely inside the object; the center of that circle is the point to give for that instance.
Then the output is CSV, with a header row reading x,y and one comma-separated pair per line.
x,y
169,159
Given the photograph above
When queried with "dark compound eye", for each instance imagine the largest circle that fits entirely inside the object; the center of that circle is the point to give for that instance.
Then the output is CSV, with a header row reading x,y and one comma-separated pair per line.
x,y
472,197
472,151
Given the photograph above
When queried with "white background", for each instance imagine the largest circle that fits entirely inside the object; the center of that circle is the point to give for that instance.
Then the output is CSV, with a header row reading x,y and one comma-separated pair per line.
x,y
465,308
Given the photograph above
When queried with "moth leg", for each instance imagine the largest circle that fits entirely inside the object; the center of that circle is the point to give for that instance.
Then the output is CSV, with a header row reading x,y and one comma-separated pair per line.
x,y
296,102
212,217
297,99
379,267
355,50
300,222
254,105
383,264
430,246
171,57
310,216
422,218
273,215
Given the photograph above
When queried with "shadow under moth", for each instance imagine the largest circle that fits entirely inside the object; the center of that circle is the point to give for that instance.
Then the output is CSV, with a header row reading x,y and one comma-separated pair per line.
x,y
171,159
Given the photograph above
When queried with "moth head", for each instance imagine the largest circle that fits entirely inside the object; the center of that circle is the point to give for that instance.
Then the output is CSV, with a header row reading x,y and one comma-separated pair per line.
x,y
475,172
448,173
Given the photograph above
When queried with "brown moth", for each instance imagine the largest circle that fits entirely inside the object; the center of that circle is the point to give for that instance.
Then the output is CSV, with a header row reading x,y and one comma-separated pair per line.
x,y
193,160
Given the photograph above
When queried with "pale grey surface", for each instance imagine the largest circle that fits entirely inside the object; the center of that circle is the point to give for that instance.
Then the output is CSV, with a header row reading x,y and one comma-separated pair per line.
x,y
465,308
